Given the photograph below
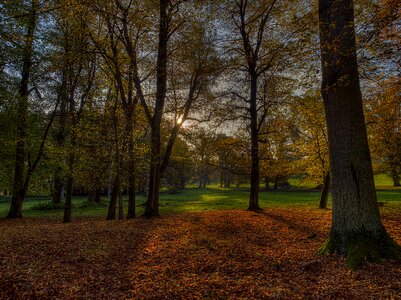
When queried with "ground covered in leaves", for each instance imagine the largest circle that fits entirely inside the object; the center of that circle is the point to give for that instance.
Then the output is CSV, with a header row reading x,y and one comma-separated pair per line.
x,y
216,255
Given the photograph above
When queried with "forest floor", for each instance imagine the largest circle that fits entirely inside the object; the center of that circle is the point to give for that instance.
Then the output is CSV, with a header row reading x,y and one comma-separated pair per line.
x,y
216,254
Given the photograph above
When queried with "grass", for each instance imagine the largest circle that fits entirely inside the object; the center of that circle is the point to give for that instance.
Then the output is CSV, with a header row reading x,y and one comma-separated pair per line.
x,y
212,198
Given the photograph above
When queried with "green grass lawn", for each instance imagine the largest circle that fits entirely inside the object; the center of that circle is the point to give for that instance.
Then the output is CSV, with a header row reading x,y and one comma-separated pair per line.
x,y
212,198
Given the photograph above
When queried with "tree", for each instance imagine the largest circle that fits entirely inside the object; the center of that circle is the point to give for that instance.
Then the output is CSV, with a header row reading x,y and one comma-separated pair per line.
x,y
312,145
197,64
357,230
264,41
24,166
80,71
383,116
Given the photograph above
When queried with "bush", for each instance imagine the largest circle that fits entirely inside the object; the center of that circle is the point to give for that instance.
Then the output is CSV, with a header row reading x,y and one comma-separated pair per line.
x,y
48,206
87,204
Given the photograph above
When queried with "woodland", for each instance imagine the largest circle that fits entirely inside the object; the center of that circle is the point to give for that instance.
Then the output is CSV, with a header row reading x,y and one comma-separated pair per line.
x,y
190,149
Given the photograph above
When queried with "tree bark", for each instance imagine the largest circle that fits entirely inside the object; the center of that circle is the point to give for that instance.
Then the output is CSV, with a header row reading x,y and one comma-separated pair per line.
x,y
267,184
120,205
357,231
58,183
152,207
395,176
111,213
275,187
254,195
22,113
57,186
71,161
324,196
69,188
131,214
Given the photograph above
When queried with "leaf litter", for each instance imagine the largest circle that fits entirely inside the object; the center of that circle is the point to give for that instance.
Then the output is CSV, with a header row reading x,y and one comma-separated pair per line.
x,y
217,255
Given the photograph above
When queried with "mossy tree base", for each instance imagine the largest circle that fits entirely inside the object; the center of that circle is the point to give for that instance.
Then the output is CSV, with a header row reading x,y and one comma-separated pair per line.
x,y
362,248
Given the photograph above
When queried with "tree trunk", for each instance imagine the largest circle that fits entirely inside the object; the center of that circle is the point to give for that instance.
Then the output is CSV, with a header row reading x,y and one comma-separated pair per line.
x,y
200,182
324,196
69,188
22,114
152,207
275,187
120,206
57,186
204,181
267,184
98,196
94,196
357,230
254,195
111,213
58,183
131,214
395,176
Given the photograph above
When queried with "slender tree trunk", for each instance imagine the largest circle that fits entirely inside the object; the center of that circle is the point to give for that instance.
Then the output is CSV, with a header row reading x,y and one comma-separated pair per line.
x,y
69,188
131,170
267,184
275,187
98,195
111,213
120,205
324,196
395,175
22,114
254,195
57,186
58,183
94,196
357,230
71,161
204,181
152,207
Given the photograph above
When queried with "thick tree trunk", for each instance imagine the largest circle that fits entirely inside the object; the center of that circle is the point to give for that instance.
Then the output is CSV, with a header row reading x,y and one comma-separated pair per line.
x,y
357,230
254,195
22,114
324,196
